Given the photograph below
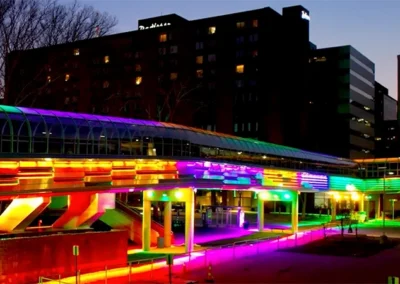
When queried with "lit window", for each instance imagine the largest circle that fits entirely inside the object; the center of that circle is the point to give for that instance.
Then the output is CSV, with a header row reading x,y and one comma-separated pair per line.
x,y
378,138
366,108
199,59
235,127
106,84
173,49
48,79
76,51
106,59
212,30
255,23
199,73
138,68
240,25
239,68
66,77
173,76
212,58
163,37
138,80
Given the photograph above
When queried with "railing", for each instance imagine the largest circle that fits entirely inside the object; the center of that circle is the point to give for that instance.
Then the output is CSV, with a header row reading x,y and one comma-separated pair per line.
x,y
155,268
131,211
46,280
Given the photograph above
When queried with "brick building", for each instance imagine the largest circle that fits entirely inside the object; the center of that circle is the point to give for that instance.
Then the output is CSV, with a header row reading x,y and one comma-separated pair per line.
x,y
240,74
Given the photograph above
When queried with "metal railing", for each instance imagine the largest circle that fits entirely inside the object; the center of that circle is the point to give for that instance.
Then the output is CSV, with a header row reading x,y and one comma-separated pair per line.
x,y
201,258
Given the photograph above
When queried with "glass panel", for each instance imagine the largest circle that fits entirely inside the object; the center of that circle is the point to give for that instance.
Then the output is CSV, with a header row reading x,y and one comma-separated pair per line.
x,y
55,129
85,138
70,135
23,138
5,137
40,133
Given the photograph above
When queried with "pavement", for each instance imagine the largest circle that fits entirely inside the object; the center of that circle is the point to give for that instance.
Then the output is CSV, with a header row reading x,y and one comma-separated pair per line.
x,y
262,262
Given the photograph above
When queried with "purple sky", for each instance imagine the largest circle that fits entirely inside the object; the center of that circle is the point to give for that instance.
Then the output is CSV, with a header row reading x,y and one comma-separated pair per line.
x,y
372,27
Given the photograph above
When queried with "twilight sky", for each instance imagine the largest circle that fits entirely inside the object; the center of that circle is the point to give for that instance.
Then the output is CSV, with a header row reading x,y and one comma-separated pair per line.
x,y
371,26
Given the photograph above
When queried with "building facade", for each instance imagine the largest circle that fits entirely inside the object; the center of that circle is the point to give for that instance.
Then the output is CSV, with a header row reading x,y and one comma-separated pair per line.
x,y
387,126
233,74
341,103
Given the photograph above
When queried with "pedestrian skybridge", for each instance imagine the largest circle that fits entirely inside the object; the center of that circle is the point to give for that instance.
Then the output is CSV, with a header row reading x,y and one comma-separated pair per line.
x,y
89,159
28,132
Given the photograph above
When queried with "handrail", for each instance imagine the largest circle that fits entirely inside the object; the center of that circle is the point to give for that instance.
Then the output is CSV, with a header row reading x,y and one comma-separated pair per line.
x,y
127,209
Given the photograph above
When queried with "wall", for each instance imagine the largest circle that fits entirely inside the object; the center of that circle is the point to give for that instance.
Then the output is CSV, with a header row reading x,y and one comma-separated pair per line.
x,y
23,260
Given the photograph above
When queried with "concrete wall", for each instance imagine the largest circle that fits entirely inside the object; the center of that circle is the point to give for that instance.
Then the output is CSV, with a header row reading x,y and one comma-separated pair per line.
x,y
23,260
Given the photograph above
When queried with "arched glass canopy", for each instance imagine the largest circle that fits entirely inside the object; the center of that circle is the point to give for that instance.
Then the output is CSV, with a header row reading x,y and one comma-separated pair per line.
x,y
37,131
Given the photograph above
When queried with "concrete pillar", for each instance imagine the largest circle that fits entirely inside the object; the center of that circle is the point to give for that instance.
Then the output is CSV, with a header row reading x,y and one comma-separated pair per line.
x,y
295,212
361,202
84,209
260,214
189,222
146,225
167,223
21,212
333,208
377,208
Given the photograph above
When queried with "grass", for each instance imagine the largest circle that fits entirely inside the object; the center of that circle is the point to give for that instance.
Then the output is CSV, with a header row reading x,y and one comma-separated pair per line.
x,y
351,246
140,256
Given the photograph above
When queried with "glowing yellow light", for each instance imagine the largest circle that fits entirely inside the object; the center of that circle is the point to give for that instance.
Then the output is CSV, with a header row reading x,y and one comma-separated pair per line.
x,y
355,196
178,194
263,195
336,196
150,193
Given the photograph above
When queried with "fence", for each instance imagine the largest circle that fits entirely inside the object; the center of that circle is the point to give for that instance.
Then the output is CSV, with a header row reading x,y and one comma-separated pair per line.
x,y
155,269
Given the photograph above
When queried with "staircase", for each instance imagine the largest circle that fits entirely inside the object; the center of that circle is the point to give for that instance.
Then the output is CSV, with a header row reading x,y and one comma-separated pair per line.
x,y
130,219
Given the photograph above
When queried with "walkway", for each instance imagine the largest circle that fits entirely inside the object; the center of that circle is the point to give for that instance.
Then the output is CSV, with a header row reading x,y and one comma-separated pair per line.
x,y
197,261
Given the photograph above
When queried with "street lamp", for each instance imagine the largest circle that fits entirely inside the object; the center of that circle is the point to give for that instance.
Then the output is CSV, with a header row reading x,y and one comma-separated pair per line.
x,y
384,238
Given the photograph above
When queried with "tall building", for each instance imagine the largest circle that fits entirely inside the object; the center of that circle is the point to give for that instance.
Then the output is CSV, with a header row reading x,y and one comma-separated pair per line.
x,y
341,102
386,124
242,74
398,86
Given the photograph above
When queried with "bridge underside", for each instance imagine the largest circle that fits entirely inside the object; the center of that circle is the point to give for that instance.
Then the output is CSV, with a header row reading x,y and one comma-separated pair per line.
x,y
91,186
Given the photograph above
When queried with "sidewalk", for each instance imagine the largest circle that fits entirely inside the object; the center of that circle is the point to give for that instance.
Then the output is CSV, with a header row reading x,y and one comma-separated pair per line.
x,y
197,261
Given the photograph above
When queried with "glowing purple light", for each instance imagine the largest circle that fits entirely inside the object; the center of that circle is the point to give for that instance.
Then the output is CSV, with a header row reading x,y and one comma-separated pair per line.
x,y
314,181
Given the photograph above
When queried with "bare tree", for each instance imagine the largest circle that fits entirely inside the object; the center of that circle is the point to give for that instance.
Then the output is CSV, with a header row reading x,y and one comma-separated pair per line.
x,y
29,24
173,98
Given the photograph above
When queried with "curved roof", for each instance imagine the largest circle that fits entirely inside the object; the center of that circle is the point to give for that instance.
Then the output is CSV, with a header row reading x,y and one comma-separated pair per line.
x,y
174,131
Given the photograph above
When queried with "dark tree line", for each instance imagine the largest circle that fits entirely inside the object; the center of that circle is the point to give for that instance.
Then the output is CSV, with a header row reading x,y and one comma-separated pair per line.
x,y
28,24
